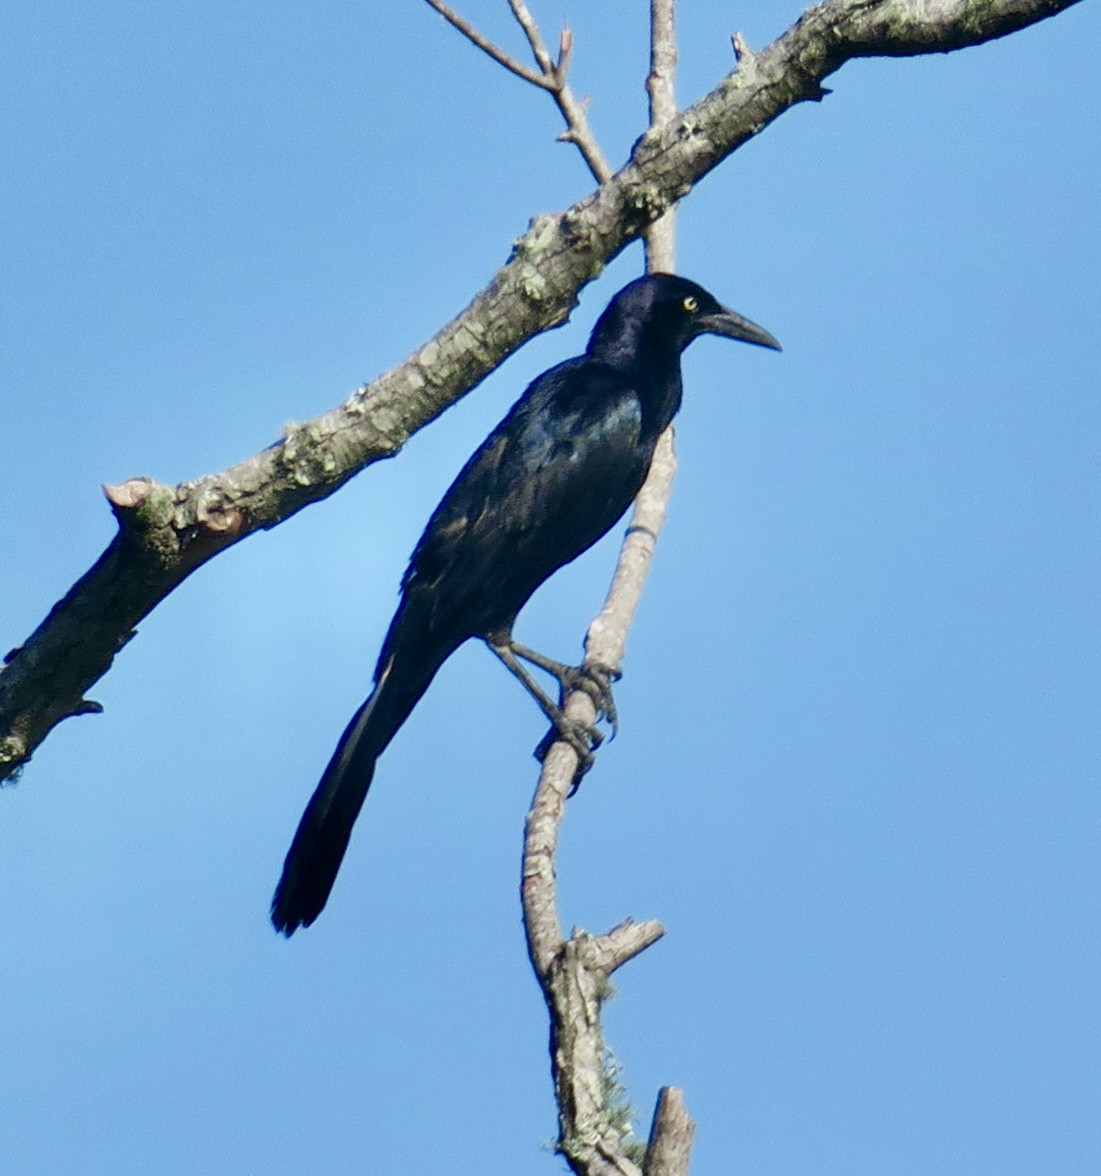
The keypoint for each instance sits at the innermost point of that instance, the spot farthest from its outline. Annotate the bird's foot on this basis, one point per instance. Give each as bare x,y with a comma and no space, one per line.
593,678
583,739
596,680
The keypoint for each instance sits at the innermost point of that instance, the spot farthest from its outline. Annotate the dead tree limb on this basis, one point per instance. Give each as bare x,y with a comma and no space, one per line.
552,76
166,532
594,1132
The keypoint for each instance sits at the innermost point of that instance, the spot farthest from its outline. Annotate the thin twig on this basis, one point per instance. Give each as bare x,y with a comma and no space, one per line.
565,49
487,46
166,532
531,30
550,76
580,133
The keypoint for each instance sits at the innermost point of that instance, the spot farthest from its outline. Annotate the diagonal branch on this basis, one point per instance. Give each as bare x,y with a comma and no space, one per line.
166,532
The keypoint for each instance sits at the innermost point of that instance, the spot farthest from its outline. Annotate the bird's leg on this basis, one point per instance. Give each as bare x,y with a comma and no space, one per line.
596,680
583,739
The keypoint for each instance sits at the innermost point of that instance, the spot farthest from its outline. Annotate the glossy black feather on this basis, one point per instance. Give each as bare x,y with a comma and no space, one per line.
513,517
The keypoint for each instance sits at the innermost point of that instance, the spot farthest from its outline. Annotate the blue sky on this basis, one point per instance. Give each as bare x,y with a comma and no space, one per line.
861,712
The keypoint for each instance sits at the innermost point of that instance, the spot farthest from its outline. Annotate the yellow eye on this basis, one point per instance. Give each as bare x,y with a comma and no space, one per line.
691,304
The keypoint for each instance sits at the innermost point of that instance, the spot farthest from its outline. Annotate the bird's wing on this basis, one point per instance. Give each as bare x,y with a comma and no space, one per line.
552,478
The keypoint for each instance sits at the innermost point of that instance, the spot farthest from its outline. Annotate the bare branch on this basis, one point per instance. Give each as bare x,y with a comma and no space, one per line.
487,46
565,49
573,974
178,528
550,76
626,941
535,38
579,132
661,245
670,1136
606,640
539,884
574,112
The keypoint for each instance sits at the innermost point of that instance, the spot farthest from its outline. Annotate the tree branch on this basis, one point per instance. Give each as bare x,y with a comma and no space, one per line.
661,243
670,1136
574,973
170,531
536,78
531,30
550,76
595,1133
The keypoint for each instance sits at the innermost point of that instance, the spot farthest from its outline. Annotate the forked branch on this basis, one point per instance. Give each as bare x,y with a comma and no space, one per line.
166,532
552,76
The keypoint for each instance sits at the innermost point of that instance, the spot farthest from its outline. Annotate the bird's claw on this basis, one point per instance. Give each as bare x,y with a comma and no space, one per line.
584,740
596,680
592,678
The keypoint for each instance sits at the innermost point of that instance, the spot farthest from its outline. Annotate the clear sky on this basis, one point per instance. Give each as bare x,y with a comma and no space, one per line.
857,776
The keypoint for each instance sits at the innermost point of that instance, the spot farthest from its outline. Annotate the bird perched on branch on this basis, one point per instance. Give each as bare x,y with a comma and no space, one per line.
552,478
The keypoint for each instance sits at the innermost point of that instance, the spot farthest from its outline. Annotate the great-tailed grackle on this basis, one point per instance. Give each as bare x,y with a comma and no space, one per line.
550,480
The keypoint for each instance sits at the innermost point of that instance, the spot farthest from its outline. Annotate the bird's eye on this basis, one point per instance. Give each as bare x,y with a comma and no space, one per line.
691,304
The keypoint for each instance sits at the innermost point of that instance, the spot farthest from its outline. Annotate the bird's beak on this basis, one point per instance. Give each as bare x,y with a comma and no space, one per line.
734,326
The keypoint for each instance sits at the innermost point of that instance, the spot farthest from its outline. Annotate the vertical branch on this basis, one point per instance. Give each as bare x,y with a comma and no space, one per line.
670,1136
594,1132
670,1145
606,640
661,247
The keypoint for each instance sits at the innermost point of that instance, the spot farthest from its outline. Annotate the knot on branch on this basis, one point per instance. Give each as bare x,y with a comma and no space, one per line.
648,146
145,511
542,232
595,1118
213,514
139,501
14,753
576,230
86,706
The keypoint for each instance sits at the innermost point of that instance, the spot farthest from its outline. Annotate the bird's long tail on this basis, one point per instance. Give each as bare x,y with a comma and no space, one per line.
317,850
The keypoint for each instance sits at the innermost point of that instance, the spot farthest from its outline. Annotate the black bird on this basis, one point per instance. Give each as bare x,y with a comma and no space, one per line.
550,480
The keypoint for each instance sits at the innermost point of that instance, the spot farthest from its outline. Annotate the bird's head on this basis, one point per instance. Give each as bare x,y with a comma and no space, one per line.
668,312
